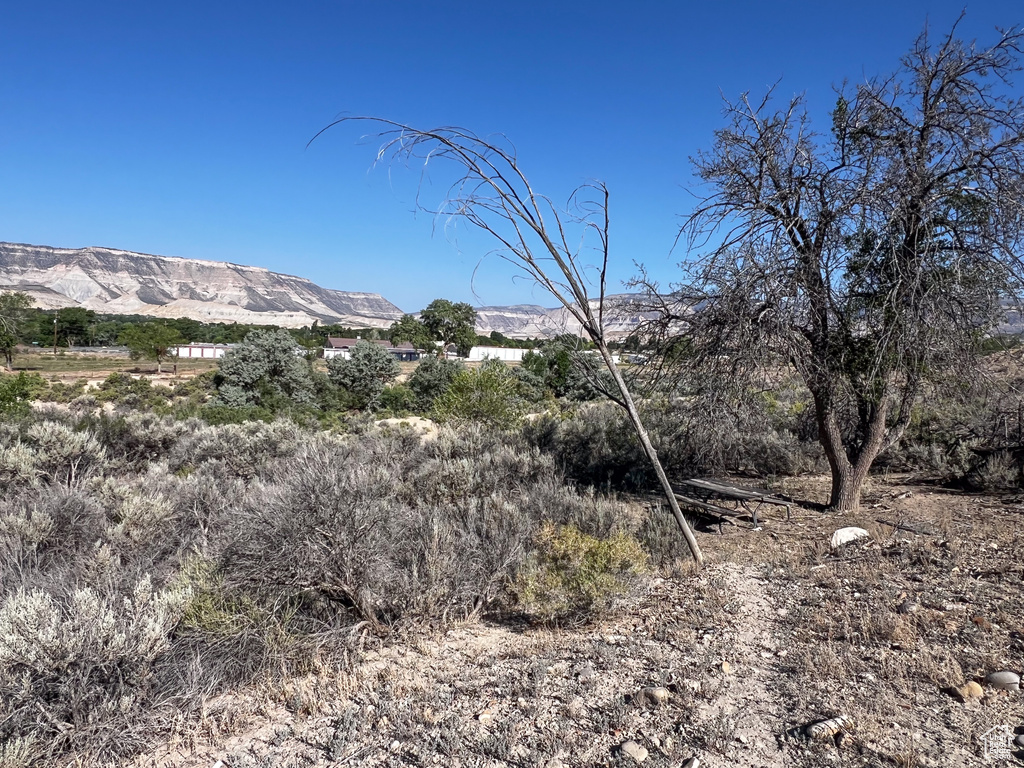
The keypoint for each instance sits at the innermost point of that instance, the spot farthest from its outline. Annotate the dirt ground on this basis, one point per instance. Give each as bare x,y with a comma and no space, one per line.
776,632
70,367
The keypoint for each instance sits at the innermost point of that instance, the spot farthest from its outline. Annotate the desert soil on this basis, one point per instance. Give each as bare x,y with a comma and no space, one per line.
777,631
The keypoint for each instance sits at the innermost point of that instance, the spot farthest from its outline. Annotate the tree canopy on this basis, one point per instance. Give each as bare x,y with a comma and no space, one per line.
151,341
451,323
408,328
871,255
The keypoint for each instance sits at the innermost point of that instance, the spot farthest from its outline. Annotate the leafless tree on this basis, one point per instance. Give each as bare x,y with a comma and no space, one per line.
869,258
541,239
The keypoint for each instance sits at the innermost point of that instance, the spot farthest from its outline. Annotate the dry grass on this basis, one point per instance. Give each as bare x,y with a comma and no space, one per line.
876,632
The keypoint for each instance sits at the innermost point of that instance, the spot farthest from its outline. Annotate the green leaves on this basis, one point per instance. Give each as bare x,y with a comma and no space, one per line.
264,368
151,341
488,394
451,323
365,374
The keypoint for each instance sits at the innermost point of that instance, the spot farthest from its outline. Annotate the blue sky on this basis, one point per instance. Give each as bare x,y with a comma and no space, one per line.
180,128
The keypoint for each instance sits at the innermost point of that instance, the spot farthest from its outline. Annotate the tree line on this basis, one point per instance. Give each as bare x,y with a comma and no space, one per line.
450,323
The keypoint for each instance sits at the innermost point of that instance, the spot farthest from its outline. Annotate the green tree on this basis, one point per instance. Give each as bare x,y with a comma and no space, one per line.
410,329
267,370
488,395
451,323
365,373
74,324
151,341
13,310
432,378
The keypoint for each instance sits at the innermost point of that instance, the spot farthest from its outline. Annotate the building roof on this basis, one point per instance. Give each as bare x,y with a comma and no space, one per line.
339,343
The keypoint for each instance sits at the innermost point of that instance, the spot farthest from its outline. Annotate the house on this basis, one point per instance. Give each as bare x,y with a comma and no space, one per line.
406,352
340,347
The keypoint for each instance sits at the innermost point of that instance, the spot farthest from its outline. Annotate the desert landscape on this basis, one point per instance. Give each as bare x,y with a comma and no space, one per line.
680,426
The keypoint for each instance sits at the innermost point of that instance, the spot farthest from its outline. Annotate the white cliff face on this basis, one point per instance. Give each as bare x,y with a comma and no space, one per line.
111,281
528,321
121,282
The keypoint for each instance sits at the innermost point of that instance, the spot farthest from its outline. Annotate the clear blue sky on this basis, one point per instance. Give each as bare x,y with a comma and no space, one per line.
180,128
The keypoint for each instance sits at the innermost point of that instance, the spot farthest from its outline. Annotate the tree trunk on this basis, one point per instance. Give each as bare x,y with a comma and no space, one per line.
652,455
846,486
848,471
9,359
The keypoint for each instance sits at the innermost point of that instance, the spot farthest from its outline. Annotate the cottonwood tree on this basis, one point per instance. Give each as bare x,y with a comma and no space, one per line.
408,328
451,323
151,341
870,256
540,238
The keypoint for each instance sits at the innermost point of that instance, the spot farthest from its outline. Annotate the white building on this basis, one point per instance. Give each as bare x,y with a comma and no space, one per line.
505,354
337,347
203,351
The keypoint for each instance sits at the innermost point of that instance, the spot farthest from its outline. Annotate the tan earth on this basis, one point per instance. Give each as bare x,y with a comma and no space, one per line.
775,633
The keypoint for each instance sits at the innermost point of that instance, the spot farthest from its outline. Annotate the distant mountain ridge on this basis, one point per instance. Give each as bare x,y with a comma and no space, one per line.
113,281
123,282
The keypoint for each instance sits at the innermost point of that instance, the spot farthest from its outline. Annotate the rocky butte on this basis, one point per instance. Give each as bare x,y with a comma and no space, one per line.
113,281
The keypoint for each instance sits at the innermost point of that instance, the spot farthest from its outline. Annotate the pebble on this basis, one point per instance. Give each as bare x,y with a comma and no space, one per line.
1004,680
632,749
908,606
586,673
693,762
969,690
726,667
1019,741
656,694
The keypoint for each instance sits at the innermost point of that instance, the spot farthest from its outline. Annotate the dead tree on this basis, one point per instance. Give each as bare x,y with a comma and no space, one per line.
540,239
870,257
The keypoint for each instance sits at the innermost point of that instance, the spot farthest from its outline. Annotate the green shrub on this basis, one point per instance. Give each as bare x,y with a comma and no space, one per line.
218,415
398,400
487,395
999,471
16,392
265,370
432,378
571,575
365,374
59,392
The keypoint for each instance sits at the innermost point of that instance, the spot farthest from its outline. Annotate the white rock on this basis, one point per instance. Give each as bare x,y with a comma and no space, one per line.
846,535
1004,680
656,695
1019,741
632,749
